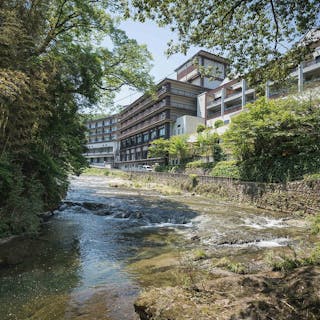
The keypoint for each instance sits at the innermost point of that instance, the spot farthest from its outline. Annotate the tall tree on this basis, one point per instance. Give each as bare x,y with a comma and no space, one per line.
251,32
52,65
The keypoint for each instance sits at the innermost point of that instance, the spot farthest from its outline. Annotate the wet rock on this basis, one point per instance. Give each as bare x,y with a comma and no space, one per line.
122,215
45,216
138,215
93,205
67,203
195,238
63,207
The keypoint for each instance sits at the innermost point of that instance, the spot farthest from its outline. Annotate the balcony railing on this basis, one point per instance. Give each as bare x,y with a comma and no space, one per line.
160,92
142,126
147,112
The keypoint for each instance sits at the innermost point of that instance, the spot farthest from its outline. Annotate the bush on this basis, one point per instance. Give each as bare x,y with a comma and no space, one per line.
201,128
311,177
218,124
199,164
276,140
227,169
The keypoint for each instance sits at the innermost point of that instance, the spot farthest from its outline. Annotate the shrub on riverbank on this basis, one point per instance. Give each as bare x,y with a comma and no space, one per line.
227,169
276,140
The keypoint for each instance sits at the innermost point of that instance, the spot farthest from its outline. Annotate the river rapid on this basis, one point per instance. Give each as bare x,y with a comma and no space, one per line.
85,264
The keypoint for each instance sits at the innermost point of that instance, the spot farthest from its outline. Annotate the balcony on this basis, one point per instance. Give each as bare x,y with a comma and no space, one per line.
183,93
143,104
229,98
155,108
214,103
143,126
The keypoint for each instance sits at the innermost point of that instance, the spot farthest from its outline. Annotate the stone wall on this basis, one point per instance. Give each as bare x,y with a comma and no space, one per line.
299,196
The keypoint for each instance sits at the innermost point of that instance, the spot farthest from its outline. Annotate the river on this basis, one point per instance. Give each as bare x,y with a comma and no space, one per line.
85,263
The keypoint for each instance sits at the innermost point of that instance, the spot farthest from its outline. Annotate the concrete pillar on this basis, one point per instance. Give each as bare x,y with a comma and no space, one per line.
300,77
223,95
244,88
267,89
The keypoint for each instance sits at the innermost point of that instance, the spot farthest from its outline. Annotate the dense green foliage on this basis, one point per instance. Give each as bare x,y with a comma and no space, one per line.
176,147
276,140
228,169
51,66
251,33
207,145
159,148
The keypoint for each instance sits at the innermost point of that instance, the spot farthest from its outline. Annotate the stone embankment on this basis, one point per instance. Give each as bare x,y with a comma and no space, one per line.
302,197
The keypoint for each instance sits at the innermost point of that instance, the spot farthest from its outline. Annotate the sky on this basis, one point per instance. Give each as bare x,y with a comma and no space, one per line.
156,39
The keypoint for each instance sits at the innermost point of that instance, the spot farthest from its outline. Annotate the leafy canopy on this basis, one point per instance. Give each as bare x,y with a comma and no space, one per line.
251,33
52,66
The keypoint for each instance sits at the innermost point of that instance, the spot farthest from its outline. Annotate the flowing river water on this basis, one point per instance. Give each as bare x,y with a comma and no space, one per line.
85,264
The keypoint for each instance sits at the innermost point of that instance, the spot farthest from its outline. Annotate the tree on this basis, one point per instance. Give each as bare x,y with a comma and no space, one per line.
251,33
208,146
179,148
51,67
159,148
276,140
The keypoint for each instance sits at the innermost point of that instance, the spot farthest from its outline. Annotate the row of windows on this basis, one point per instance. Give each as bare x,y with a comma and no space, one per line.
101,123
103,138
101,150
134,156
103,130
144,137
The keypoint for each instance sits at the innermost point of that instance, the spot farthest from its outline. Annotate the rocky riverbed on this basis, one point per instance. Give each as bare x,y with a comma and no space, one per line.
112,249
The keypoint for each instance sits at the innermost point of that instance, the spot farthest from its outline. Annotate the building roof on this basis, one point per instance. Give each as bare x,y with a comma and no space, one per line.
206,54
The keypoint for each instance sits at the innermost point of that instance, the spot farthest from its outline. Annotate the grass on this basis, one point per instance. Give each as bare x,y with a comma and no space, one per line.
105,172
199,255
286,263
235,267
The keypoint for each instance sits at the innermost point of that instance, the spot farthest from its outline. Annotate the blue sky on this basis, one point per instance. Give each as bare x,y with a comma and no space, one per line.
156,40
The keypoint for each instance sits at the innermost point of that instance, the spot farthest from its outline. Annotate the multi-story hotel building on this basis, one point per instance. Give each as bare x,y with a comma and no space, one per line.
179,106
102,137
149,118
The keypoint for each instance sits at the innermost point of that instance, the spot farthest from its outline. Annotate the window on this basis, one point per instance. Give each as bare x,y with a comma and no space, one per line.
162,131
146,137
139,138
153,134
